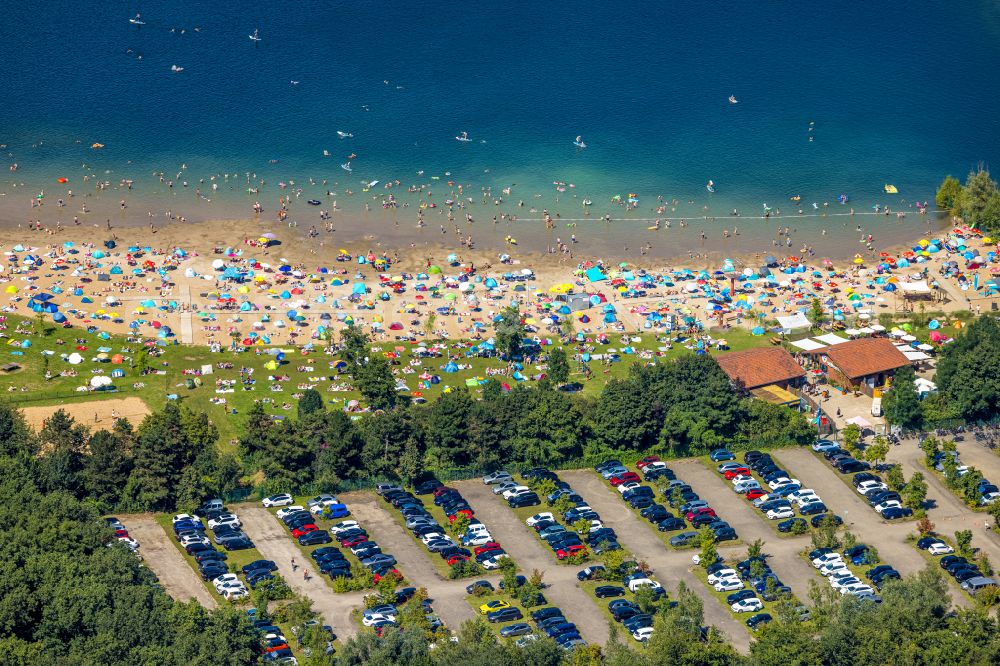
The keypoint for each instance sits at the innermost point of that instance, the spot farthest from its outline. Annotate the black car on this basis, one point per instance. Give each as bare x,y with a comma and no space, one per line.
670,524
527,499
861,477
543,614
702,519
758,620
948,560
655,513
405,594
239,543
519,581
260,564
315,538
516,629
426,486
725,534
213,572
850,466
605,591
740,596
818,519
601,534
479,584
504,615
789,525
813,508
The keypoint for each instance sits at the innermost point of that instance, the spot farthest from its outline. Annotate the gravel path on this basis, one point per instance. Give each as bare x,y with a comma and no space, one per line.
175,574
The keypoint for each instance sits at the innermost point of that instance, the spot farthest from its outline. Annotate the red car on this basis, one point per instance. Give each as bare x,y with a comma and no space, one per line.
461,512
578,549
455,559
275,648
393,572
707,511
353,541
754,494
626,477
121,534
645,461
486,547
305,529
732,473
440,490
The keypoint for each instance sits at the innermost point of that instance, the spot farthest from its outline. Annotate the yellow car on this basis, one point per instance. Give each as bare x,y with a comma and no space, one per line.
491,606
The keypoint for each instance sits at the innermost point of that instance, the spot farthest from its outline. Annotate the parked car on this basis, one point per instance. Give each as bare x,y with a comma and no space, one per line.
282,499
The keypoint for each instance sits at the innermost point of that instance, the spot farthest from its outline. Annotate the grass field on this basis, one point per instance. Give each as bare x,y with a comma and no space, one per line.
175,371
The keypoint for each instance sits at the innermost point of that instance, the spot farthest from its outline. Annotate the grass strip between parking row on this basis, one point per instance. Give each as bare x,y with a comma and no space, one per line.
476,601
235,558
439,564
769,606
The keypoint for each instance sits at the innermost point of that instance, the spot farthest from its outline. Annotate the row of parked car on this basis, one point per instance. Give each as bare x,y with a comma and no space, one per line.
887,503
966,574
277,648
679,495
330,560
750,583
625,611
841,460
568,541
548,620
121,534
782,496
834,567
988,491
486,551
189,530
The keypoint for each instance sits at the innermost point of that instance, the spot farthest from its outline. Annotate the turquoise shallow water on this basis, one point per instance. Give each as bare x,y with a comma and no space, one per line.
898,94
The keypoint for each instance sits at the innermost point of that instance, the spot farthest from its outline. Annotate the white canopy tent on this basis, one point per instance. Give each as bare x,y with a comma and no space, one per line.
831,339
808,344
793,322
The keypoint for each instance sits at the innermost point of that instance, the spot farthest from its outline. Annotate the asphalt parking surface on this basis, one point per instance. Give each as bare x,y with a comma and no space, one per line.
175,574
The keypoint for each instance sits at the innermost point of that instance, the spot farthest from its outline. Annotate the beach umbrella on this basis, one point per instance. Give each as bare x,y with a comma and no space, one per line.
434,270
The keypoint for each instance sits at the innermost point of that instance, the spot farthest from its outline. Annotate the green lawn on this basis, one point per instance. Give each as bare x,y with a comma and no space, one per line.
235,562
49,343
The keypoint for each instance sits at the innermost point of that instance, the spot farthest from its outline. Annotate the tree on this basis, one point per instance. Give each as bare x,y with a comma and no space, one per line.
709,555
915,491
925,526
755,549
877,450
929,446
901,402
852,436
105,467
949,195
894,478
980,190
965,370
509,332
373,379
963,544
558,366
816,312
311,401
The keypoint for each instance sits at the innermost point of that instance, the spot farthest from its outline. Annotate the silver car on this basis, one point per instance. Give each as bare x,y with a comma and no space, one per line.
497,477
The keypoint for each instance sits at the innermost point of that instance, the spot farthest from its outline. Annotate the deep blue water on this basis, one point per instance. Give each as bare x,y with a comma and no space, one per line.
899,93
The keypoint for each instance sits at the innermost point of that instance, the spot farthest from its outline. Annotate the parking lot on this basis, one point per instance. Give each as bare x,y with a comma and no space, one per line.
671,567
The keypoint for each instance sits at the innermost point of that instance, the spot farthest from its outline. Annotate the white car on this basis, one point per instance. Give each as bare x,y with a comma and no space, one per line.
317,509
940,548
224,519
540,518
826,559
824,445
625,487
186,516
595,524
325,498
807,499
634,585
728,585
493,563
989,498
780,513
284,499
219,581
751,605
835,570
865,486
781,481
654,466
843,581
434,536
741,478
288,510
478,539
801,492
233,593
188,540
130,543
857,589
507,485
721,574
642,635
516,490
343,526
888,504
375,618
497,477
746,486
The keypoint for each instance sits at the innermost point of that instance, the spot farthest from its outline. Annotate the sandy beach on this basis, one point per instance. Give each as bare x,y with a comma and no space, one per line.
217,282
